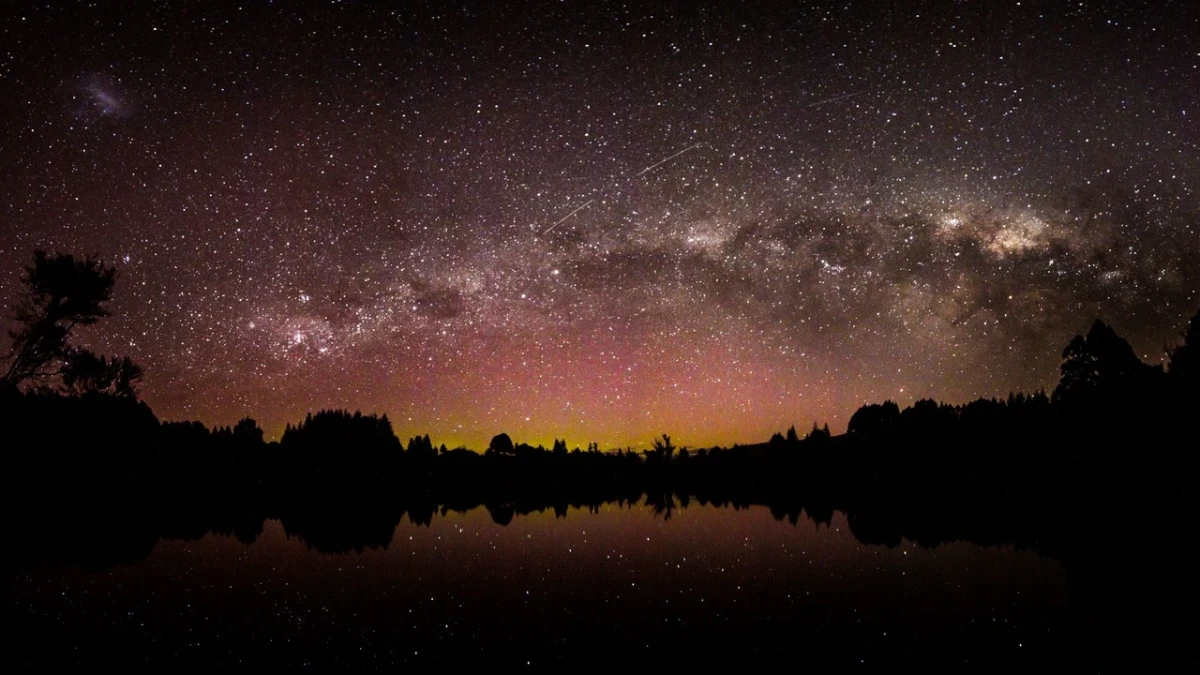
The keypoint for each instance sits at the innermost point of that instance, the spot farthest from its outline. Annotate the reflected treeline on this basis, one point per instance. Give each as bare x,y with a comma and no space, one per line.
1030,469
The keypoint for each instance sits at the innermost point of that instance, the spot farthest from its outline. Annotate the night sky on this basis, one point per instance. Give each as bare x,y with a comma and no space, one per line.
604,221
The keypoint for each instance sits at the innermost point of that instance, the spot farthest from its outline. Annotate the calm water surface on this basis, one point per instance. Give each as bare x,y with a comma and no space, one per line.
706,587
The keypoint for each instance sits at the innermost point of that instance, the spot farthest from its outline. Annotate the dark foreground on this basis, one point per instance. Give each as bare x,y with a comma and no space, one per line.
620,586
650,581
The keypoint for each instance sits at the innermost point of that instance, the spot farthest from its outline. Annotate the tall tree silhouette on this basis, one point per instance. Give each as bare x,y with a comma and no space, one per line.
873,420
792,437
1099,368
59,293
1185,359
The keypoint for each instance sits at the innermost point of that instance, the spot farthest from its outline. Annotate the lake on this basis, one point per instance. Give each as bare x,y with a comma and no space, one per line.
617,585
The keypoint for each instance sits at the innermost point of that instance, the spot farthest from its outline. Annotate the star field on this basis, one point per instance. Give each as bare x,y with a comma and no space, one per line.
603,221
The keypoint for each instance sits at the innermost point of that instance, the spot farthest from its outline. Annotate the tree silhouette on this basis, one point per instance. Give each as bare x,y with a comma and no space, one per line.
663,448
501,444
354,445
1185,359
819,434
84,372
421,447
248,430
1098,368
59,293
874,419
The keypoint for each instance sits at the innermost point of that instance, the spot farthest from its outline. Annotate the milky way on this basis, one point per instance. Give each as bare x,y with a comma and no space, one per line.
605,221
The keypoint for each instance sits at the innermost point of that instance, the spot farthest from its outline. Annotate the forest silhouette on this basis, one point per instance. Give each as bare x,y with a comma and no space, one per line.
1111,450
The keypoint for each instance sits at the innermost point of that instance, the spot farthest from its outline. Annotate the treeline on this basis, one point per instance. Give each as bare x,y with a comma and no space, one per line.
1110,414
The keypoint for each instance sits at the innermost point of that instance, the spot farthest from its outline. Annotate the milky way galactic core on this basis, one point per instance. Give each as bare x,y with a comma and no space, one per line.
605,221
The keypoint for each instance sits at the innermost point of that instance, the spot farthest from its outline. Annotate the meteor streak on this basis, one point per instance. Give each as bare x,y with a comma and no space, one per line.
577,210
660,163
831,100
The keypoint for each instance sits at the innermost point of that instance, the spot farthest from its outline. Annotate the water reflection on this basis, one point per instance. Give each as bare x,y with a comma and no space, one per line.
631,583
